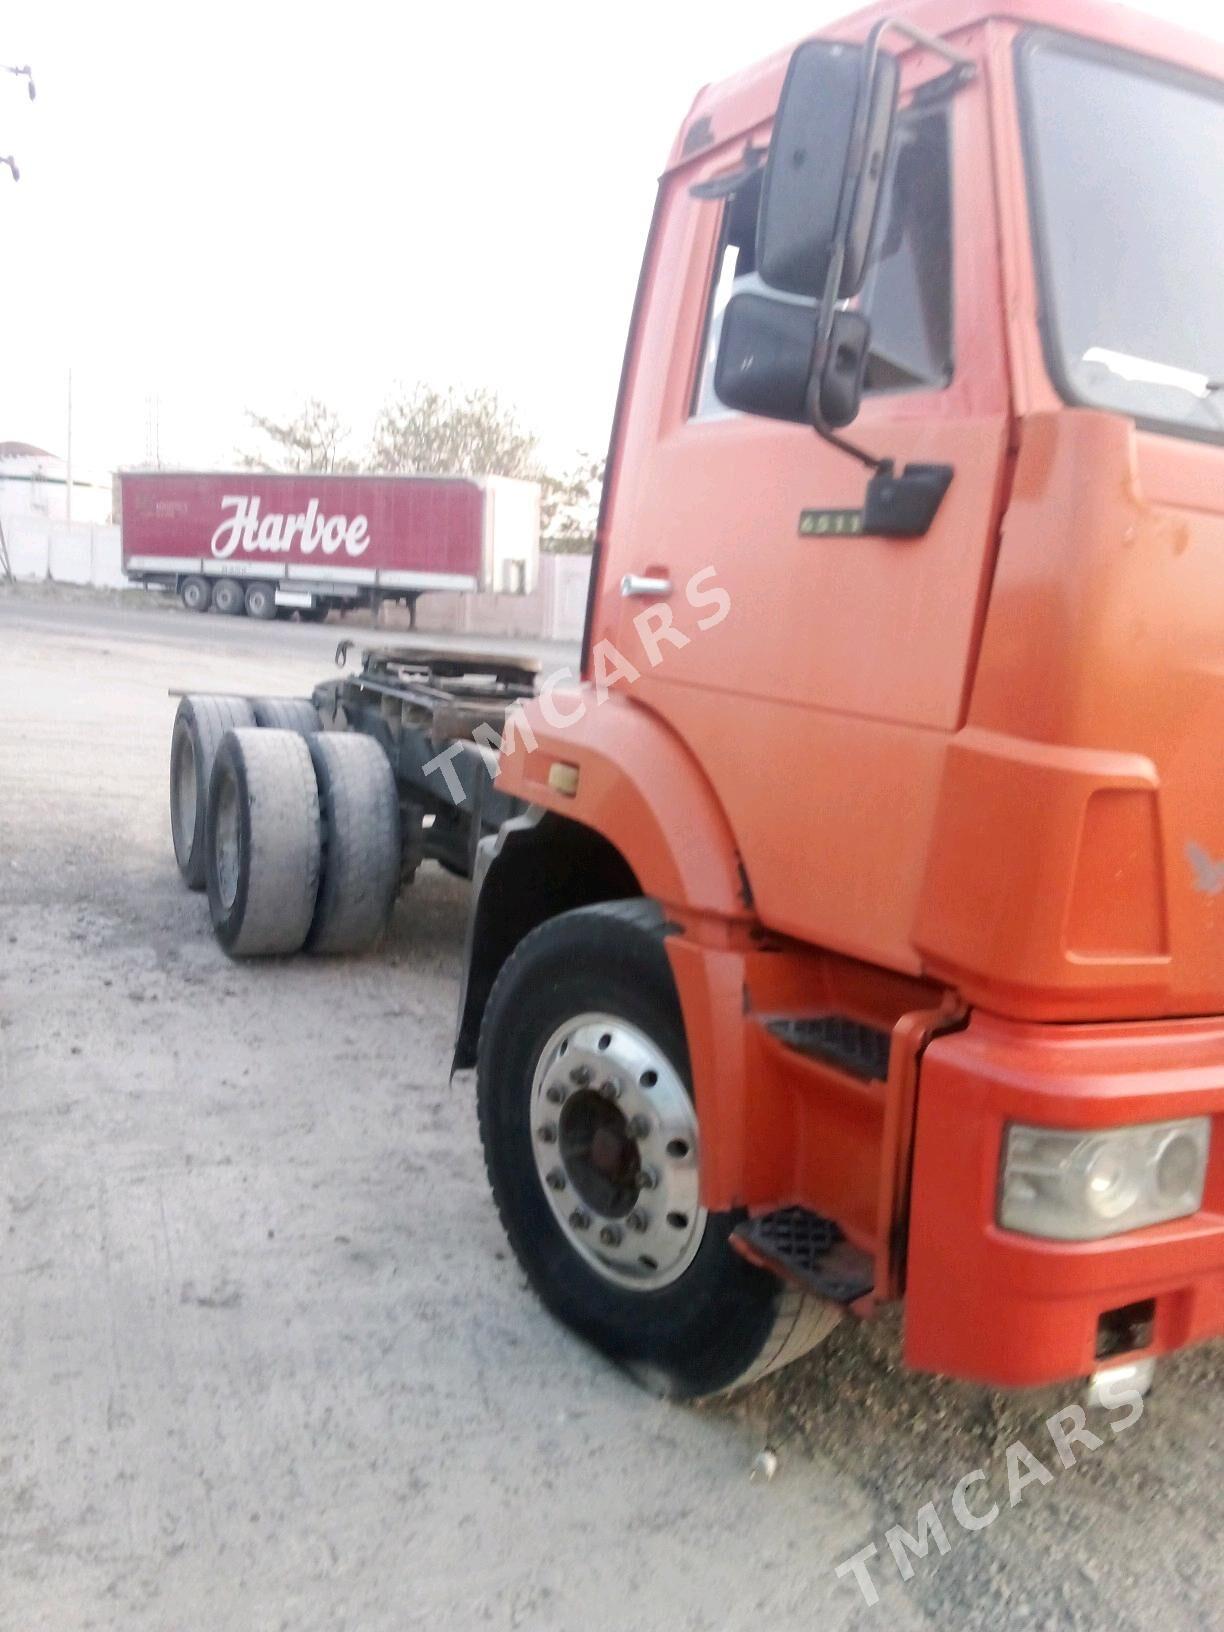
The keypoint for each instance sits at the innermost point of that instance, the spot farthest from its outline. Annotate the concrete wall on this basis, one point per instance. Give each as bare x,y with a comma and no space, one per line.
77,552
39,487
554,611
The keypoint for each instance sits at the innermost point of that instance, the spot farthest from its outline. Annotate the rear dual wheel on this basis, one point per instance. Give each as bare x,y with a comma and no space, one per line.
302,844
199,726
263,842
286,714
593,1153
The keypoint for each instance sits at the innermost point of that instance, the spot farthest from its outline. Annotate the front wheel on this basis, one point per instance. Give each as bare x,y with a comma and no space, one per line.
593,1152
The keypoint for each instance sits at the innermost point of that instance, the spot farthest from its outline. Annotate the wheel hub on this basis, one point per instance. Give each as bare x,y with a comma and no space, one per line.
614,1136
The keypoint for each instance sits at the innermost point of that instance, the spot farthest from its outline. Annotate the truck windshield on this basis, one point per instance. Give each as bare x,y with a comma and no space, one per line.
1125,158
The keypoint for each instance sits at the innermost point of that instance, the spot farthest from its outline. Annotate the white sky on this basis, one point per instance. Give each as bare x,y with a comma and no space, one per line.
229,206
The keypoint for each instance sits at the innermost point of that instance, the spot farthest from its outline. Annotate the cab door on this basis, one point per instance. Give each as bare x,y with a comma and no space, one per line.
820,701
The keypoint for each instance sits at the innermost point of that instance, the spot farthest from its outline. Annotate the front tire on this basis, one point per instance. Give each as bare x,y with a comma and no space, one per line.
592,1149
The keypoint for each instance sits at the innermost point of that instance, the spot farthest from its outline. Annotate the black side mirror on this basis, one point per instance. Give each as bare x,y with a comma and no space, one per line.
765,360
827,160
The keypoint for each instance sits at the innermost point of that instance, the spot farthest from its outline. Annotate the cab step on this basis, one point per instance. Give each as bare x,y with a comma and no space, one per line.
809,1251
851,1046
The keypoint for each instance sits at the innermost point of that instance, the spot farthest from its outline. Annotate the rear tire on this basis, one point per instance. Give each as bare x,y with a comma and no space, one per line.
689,1318
361,825
261,602
196,594
199,726
286,714
228,597
262,843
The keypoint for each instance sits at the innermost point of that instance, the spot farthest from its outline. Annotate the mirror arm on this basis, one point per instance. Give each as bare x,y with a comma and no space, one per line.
962,69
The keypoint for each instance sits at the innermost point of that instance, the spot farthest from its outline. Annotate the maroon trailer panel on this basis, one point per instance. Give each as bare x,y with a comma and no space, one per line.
355,528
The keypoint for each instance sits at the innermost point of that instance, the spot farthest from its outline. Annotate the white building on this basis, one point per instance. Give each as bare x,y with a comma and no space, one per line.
34,482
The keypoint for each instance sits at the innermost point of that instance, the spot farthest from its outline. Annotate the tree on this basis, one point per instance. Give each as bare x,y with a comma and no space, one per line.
451,433
312,441
427,431
569,507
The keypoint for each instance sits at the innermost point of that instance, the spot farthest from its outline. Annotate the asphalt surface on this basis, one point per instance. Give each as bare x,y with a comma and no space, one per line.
265,1359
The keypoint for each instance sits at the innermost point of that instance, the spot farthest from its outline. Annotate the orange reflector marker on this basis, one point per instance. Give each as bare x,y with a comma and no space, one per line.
563,778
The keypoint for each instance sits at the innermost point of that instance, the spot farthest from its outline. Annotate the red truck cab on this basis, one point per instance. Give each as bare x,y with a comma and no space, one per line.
906,732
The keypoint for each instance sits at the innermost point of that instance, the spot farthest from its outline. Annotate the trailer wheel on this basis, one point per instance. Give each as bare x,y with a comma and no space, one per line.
286,714
592,1148
361,826
262,843
196,594
228,597
261,602
199,726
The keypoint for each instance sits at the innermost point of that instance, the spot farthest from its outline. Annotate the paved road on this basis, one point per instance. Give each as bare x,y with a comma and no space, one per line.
150,619
265,1361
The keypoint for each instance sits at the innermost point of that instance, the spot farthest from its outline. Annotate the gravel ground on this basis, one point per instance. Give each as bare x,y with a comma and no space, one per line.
265,1361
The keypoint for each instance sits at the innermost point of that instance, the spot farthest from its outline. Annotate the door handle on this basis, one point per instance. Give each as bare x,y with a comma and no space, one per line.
631,584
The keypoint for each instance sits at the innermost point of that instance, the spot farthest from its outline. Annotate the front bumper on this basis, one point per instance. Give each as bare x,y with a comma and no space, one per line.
995,1307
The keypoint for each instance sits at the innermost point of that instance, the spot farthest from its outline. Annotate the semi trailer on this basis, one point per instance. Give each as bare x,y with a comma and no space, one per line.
265,544
849,930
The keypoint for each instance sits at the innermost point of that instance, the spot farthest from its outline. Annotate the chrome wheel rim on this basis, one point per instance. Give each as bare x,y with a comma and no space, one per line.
614,1136
228,844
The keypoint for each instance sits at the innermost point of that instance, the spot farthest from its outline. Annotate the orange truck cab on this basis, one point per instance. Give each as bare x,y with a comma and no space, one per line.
864,937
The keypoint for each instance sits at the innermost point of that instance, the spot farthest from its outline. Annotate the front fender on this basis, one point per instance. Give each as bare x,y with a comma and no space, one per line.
638,786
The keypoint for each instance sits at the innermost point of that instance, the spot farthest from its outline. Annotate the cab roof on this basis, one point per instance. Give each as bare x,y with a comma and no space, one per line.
733,107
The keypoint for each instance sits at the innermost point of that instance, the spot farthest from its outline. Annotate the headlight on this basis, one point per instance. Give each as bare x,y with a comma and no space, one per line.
1082,1186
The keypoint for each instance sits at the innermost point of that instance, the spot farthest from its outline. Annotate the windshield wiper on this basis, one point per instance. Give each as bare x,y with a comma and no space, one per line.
1143,371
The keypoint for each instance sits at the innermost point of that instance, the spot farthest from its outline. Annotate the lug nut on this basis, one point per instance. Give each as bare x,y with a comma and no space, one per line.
554,1093
639,1127
548,1133
637,1221
611,1090
647,1178
610,1235
556,1179
580,1076
580,1220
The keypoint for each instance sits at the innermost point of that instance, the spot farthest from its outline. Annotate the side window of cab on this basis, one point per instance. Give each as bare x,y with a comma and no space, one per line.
908,290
